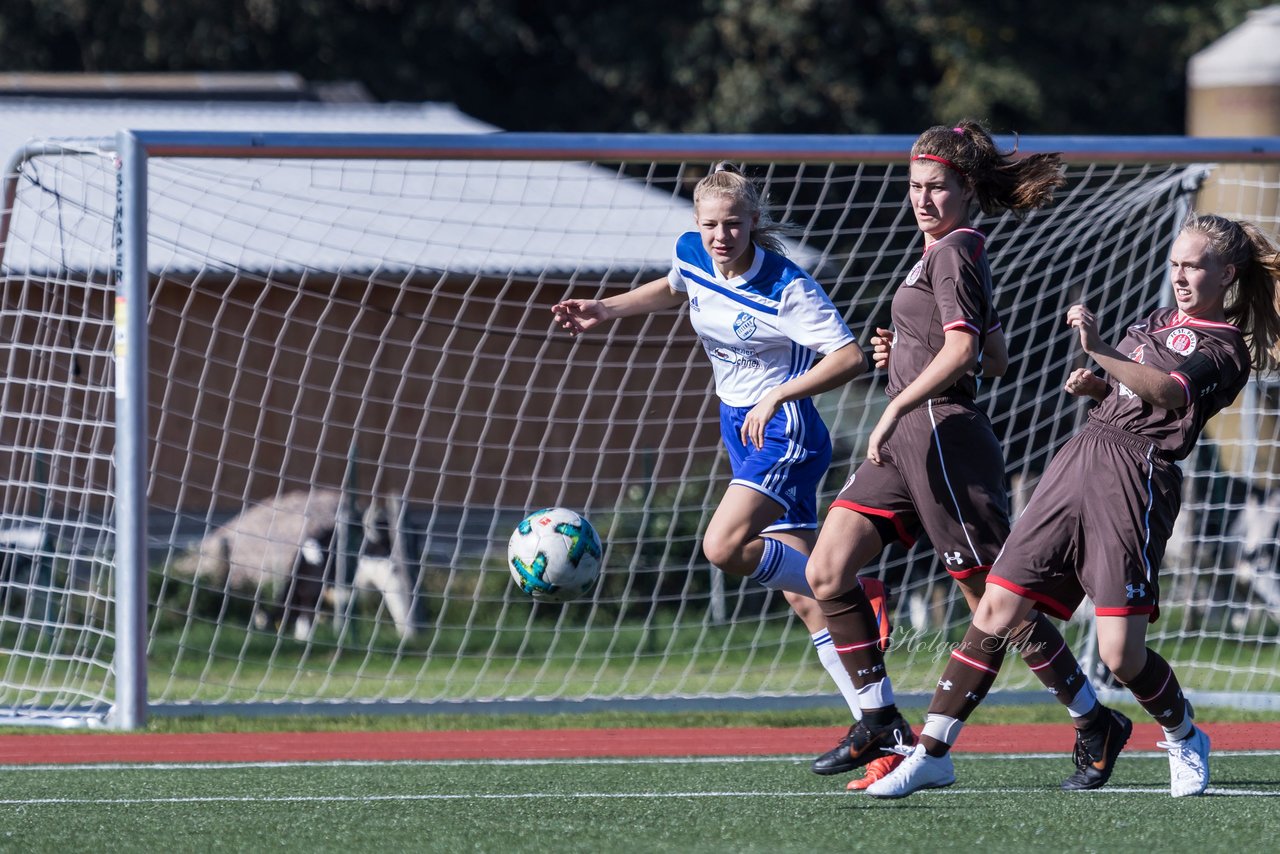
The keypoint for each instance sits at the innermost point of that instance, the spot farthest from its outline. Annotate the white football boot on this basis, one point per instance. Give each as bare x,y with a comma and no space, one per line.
918,771
1188,764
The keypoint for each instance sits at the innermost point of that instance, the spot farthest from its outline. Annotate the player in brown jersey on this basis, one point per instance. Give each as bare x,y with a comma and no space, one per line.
933,462
1100,516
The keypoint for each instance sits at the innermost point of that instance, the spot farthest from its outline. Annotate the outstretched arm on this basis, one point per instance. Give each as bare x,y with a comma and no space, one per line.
1153,385
579,315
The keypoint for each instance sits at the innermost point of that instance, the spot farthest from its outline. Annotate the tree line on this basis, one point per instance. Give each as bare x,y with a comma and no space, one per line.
713,66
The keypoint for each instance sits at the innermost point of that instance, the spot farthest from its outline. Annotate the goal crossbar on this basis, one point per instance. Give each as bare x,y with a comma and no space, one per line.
672,148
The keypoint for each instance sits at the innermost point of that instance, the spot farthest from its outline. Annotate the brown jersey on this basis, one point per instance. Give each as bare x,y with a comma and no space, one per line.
1209,359
1101,515
948,288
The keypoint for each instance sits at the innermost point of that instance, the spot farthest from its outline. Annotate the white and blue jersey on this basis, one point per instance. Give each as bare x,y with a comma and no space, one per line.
760,330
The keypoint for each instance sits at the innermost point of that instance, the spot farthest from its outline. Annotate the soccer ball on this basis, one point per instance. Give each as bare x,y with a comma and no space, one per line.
554,555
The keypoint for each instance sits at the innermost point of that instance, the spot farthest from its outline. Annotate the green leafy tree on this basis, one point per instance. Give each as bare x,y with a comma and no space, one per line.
724,66
1039,66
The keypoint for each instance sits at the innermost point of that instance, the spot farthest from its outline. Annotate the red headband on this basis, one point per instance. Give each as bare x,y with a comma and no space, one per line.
936,159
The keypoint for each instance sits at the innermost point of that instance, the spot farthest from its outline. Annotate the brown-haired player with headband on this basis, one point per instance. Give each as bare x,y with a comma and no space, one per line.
1100,516
774,339
933,463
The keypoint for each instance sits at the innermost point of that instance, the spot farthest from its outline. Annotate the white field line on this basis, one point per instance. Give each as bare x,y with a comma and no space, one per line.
475,796
515,763
517,796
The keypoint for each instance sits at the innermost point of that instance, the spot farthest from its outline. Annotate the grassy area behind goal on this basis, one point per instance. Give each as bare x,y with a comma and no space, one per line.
766,658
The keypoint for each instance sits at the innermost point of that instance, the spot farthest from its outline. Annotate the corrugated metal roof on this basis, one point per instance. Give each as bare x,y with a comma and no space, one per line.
491,218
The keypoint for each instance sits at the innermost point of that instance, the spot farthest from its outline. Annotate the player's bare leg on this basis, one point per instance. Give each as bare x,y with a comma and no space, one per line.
733,542
1122,646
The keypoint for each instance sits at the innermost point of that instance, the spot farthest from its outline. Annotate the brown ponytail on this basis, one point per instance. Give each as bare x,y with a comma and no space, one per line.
1000,181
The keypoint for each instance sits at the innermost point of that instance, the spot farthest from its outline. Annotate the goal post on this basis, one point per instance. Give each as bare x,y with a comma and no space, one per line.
130,345
322,370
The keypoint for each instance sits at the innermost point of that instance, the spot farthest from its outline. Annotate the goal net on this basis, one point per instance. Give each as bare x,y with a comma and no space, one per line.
350,392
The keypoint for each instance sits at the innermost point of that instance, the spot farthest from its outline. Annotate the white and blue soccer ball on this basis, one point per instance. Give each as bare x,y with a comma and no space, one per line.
554,555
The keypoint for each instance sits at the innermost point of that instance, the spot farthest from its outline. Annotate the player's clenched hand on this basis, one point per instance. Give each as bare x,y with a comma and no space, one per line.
579,315
881,346
1081,318
1085,383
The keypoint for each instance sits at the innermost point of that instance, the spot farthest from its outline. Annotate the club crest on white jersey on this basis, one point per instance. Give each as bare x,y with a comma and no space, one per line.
744,326
761,328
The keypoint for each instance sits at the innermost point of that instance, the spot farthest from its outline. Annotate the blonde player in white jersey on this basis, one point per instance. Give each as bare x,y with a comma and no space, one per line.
764,322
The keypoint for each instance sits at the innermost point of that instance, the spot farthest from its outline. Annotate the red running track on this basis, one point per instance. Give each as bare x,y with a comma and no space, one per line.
59,748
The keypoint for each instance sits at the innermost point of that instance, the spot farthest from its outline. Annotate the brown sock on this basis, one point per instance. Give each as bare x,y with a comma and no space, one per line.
1045,651
852,625
1157,690
966,679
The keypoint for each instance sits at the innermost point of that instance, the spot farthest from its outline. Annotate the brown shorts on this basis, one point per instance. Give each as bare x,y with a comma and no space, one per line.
943,474
1096,525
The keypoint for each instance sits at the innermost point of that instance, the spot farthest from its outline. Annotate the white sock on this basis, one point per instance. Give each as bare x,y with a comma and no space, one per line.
1084,701
877,695
831,663
942,728
782,568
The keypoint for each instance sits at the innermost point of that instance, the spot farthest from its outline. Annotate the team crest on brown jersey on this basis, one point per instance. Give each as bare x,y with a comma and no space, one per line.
1182,341
914,275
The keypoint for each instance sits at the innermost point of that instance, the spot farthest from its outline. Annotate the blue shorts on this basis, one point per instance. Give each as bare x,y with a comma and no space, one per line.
793,461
